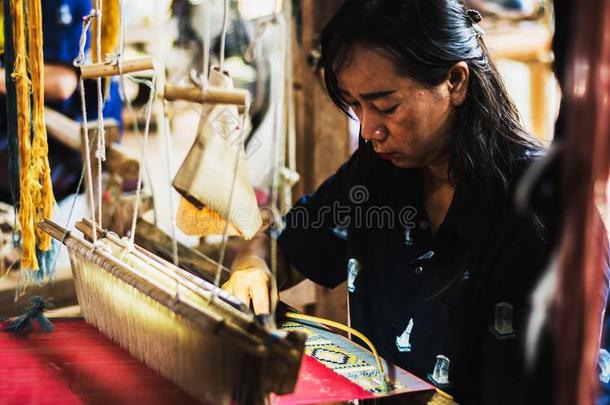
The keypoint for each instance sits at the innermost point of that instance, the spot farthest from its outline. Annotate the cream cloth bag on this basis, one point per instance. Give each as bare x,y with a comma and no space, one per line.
205,177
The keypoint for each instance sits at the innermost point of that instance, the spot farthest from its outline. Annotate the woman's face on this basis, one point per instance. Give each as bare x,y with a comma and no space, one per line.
408,123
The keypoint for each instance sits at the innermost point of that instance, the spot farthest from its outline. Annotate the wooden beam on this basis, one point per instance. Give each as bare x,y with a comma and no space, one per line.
62,128
157,242
322,139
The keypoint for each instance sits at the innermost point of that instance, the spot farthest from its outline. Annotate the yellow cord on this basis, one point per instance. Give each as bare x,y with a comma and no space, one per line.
359,335
444,394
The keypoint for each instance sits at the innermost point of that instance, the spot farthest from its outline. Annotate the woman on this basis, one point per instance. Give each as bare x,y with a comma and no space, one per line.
437,260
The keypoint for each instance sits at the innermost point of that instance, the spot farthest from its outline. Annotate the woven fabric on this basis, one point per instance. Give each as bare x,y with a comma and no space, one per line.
354,363
76,364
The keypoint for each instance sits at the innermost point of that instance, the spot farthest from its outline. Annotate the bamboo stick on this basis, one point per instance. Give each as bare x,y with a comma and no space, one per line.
96,70
211,95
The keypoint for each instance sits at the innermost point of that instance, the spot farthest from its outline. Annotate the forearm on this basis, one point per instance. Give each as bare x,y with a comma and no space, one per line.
257,249
59,82
2,81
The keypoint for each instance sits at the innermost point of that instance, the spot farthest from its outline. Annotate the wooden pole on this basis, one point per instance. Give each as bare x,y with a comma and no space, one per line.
96,70
322,139
211,95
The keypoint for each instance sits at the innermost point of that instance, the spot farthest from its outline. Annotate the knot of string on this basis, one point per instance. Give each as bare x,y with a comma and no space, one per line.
199,81
82,42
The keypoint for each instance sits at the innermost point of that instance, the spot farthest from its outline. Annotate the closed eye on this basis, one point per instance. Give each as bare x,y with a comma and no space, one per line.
389,110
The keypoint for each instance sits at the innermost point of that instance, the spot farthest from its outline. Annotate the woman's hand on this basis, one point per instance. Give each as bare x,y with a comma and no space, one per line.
251,281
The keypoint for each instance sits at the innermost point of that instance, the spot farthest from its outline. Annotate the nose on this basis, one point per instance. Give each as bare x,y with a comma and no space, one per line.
372,128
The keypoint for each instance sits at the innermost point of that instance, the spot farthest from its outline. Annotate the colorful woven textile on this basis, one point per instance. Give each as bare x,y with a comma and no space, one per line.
76,364
355,364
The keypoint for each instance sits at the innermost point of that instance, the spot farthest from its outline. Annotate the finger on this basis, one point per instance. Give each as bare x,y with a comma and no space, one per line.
260,298
273,296
242,294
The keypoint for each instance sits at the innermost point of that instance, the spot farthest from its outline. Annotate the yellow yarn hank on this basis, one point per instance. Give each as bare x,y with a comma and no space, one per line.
110,29
27,208
1,30
43,197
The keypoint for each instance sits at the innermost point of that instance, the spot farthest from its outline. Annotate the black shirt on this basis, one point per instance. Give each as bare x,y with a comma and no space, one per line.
418,295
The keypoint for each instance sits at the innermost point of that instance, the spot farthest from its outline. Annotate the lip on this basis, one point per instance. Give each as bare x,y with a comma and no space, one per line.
385,156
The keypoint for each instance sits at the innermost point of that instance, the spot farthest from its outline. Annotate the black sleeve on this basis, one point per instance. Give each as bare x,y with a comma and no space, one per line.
313,239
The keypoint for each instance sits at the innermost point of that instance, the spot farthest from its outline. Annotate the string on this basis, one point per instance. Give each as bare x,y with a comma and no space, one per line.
278,127
279,172
206,41
168,161
279,86
100,153
129,106
78,62
239,145
223,35
72,207
291,118
149,104
121,30
152,87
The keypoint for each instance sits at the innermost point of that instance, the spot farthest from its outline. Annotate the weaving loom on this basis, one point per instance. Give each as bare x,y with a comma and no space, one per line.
186,328
205,341
179,325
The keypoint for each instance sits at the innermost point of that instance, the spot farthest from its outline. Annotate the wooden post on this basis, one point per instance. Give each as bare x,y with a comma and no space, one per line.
540,73
322,138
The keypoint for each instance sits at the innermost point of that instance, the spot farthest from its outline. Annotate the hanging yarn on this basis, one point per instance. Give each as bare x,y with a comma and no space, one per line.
40,163
20,76
1,29
11,111
23,324
109,35
36,198
110,30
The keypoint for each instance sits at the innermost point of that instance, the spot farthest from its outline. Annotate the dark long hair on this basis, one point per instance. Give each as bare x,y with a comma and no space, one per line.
426,38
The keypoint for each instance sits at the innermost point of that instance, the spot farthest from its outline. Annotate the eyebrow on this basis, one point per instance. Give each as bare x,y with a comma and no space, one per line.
372,95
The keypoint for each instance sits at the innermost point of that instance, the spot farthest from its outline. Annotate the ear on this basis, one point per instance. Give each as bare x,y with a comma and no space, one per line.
457,82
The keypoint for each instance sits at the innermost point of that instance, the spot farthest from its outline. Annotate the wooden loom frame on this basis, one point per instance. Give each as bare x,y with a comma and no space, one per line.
272,360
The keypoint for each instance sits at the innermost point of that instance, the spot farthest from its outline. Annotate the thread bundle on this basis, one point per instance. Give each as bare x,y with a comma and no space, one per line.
34,199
